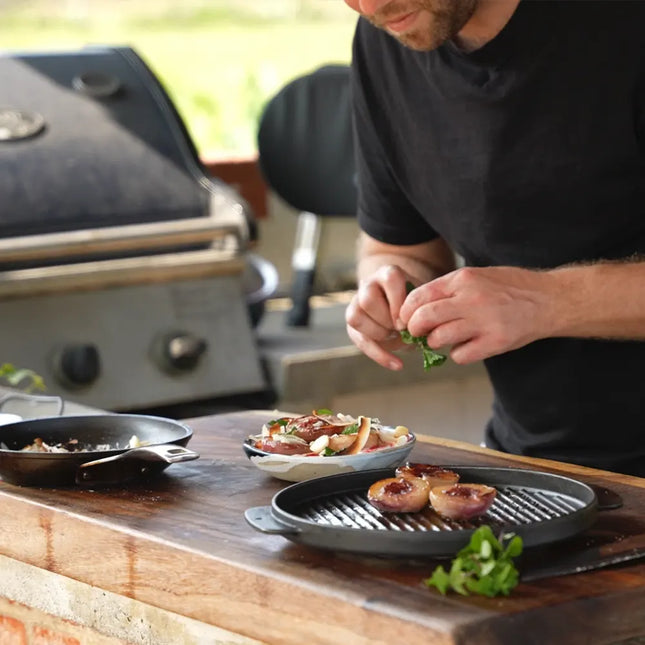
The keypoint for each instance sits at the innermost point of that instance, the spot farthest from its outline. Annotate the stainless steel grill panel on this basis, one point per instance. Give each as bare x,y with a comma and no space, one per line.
140,244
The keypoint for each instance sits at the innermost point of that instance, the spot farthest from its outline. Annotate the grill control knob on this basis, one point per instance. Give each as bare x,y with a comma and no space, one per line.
78,365
181,351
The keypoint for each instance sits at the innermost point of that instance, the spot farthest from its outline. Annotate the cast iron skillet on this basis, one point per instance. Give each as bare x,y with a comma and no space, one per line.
163,439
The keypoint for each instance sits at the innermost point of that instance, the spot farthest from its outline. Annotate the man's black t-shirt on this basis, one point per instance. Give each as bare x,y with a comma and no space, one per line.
527,152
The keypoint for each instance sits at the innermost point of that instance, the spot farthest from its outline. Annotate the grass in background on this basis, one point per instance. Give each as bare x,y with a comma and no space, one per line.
219,60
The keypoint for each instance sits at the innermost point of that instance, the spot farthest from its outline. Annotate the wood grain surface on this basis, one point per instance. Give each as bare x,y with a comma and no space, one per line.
180,542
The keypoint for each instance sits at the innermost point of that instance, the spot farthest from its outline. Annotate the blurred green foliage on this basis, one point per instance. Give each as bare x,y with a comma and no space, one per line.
220,60
21,378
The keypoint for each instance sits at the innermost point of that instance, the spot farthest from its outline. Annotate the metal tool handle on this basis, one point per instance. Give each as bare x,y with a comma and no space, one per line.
303,264
261,519
587,560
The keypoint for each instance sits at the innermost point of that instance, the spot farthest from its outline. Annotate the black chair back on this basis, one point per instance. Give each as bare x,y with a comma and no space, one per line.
306,155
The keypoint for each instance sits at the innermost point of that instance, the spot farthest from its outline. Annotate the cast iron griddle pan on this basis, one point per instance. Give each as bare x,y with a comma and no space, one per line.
333,513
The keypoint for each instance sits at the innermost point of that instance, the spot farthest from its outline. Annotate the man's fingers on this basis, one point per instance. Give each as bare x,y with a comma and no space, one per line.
371,313
470,351
392,280
436,289
374,350
433,314
369,301
356,318
367,327
382,297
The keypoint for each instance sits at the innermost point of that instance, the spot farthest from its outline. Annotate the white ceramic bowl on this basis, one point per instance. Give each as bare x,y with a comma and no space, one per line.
298,468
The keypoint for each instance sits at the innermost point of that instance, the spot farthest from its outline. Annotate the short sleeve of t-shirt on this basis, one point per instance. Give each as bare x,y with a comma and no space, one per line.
384,212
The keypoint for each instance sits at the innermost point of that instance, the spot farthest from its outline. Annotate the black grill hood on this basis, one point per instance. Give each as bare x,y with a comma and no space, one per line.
90,139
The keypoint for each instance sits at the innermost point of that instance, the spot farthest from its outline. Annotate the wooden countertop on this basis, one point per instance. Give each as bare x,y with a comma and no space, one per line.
181,543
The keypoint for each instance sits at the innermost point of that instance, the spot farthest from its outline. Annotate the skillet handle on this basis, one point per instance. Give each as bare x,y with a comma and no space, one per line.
130,464
261,519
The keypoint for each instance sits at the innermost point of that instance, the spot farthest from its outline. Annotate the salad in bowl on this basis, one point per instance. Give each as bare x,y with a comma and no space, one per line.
300,447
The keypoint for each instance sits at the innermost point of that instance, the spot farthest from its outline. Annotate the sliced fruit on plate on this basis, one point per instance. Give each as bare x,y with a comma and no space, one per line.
399,495
462,501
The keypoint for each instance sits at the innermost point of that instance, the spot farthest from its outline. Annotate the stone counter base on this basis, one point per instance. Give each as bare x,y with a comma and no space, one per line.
38,607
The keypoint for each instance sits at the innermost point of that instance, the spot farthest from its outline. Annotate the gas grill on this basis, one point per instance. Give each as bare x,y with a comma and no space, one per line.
124,266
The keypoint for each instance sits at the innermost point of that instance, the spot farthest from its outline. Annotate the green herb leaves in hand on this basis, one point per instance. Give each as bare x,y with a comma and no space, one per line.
484,566
430,357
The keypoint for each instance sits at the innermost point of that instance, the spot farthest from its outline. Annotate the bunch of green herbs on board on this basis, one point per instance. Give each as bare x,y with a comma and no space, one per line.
484,566
430,357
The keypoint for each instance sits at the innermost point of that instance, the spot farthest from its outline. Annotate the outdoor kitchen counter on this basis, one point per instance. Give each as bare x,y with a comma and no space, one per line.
181,543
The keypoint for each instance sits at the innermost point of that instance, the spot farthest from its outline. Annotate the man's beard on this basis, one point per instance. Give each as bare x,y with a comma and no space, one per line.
440,21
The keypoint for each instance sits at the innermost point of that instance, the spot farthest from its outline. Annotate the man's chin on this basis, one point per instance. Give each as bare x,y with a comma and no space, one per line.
418,42
420,36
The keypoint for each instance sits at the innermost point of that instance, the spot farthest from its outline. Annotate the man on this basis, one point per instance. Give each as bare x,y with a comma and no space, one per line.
512,133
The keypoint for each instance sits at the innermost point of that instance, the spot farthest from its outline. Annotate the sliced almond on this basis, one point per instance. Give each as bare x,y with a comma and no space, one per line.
364,424
319,444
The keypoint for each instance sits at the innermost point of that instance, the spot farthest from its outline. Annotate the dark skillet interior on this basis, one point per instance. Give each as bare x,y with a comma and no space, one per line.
59,469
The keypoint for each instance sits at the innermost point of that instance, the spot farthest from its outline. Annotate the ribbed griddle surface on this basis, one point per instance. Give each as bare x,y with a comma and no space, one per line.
513,505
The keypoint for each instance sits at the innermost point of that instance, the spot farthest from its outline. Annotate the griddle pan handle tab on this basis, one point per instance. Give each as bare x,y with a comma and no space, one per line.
261,519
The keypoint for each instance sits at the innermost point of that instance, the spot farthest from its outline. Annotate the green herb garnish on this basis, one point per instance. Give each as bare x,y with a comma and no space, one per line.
485,566
278,422
353,429
430,357
328,452
323,411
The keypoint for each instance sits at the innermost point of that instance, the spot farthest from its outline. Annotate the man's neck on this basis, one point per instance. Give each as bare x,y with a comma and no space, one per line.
489,18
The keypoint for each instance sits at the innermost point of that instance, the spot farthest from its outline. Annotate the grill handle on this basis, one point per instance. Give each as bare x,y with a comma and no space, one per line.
127,238
261,519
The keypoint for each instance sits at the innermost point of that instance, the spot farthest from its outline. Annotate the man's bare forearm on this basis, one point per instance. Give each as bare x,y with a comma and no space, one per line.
423,262
604,300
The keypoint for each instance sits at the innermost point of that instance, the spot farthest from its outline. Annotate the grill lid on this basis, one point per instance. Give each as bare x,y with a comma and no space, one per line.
90,138
333,513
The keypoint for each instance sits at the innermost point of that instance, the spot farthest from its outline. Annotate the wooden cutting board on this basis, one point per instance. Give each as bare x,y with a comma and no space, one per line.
180,542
